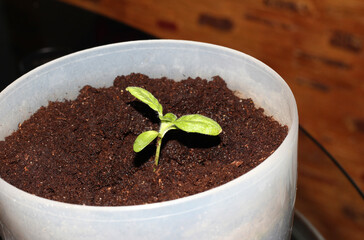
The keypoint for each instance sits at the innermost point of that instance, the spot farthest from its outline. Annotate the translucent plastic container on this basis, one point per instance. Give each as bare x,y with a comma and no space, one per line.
257,205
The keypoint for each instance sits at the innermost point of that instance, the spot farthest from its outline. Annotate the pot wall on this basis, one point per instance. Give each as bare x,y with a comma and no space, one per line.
257,205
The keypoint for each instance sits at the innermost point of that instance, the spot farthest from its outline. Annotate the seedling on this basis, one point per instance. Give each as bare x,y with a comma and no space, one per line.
193,123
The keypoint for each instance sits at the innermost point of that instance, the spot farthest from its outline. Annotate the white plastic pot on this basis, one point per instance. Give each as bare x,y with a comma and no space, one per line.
257,205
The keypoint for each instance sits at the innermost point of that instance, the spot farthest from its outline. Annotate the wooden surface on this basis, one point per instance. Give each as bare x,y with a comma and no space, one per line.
325,196
317,47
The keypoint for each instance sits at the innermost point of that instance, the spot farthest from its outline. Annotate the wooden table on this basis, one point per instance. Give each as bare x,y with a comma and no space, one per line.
325,196
318,48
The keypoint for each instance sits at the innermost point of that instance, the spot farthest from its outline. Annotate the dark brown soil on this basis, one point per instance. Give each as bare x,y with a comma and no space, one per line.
81,151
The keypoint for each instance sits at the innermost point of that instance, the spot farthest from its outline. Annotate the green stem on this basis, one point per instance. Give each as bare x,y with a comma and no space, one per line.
159,144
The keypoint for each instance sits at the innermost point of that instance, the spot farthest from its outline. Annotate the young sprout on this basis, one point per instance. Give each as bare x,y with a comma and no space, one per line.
193,123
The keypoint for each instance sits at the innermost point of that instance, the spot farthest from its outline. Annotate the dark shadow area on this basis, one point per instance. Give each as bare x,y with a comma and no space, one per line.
192,140
145,111
143,156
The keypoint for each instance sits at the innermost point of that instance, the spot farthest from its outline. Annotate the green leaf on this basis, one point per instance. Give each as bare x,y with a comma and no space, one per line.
165,127
169,117
144,139
197,123
147,98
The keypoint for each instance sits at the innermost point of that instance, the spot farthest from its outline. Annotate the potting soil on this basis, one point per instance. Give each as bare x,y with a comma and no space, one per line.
81,151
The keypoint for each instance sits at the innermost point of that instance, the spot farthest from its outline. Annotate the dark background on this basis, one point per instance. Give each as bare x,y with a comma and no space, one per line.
33,32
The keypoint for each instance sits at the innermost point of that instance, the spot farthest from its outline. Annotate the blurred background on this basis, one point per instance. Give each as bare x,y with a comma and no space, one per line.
316,46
